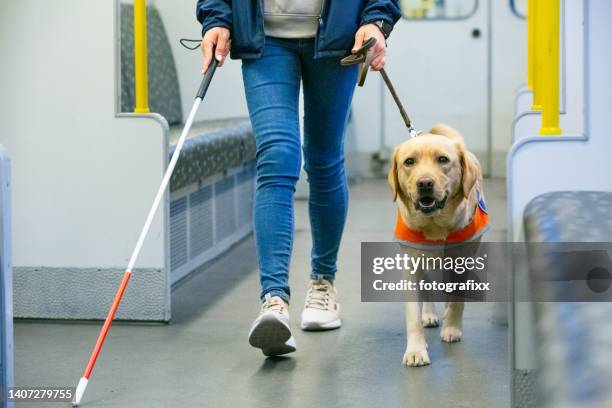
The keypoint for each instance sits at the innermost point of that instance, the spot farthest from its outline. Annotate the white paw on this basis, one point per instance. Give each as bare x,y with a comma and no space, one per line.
451,334
429,319
416,357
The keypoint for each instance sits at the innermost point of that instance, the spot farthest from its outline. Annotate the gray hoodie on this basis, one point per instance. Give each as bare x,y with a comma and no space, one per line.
292,18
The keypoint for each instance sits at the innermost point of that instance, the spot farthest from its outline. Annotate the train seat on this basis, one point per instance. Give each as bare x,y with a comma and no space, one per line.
569,216
213,146
573,358
211,189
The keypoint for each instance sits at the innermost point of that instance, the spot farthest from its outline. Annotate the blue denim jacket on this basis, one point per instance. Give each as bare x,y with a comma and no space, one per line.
339,21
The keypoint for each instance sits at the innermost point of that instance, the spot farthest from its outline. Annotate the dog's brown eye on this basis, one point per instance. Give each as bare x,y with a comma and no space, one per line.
409,161
443,160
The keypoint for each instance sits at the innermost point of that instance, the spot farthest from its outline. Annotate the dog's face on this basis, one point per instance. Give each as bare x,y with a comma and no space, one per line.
430,170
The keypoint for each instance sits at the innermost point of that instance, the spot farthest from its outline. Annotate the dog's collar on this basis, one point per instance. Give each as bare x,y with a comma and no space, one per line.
478,226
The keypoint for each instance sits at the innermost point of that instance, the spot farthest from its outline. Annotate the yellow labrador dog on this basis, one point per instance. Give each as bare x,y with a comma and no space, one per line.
437,184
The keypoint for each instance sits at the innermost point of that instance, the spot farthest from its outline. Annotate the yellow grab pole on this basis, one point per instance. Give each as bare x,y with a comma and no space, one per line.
530,43
539,30
550,78
141,80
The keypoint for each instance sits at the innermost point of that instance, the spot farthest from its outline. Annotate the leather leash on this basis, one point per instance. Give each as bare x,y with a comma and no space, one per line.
364,56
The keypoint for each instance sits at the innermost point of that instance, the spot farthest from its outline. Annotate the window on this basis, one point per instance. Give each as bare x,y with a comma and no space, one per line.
438,9
519,7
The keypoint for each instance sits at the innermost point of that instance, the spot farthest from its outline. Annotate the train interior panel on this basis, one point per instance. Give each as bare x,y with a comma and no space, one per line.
207,203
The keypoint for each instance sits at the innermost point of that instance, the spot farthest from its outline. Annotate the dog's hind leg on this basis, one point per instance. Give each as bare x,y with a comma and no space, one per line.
453,322
416,349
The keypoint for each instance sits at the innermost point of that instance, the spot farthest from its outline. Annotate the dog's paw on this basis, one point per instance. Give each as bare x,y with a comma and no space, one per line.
430,319
416,357
451,334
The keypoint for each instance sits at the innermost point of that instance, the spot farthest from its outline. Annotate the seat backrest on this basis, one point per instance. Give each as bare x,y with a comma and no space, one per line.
164,93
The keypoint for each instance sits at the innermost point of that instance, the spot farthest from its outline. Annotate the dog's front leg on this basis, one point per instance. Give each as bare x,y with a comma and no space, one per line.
453,322
416,349
429,316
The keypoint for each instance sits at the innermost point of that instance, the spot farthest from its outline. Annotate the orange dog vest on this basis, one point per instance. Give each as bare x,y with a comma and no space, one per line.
479,225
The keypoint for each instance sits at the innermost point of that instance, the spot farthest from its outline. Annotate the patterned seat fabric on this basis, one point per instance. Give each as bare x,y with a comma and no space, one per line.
164,94
569,216
212,146
572,339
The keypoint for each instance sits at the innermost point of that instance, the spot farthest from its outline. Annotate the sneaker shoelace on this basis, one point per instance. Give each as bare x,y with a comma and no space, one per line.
272,304
317,296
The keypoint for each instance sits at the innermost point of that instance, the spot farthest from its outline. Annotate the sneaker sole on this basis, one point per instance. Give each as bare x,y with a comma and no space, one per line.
271,335
314,326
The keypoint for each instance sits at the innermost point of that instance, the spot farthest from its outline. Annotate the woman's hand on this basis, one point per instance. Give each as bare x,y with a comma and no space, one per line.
379,49
219,37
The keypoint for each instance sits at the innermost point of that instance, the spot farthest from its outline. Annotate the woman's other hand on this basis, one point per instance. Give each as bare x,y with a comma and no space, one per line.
366,32
219,37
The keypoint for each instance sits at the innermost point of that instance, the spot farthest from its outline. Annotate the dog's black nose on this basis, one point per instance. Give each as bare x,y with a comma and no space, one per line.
425,184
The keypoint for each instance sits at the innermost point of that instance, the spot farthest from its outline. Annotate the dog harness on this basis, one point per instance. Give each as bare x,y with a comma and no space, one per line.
474,230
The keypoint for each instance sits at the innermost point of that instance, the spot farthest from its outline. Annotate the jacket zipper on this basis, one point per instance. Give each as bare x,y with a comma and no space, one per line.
323,3
263,29
316,44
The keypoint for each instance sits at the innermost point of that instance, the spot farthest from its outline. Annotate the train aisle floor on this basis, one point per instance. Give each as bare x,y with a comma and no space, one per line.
203,359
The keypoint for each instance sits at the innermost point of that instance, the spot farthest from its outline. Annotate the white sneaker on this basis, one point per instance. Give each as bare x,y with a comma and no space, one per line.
321,310
271,331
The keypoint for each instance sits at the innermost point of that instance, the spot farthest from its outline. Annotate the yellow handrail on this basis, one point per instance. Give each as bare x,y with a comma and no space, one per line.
531,19
549,75
419,12
141,81
539,32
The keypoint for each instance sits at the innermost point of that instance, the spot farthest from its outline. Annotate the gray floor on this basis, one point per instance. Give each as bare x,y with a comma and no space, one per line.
203,358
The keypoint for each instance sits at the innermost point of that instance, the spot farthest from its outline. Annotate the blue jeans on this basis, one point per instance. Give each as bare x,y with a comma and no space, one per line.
272,87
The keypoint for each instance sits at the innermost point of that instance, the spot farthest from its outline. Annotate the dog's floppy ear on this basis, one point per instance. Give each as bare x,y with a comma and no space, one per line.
445,130
392,176
470,170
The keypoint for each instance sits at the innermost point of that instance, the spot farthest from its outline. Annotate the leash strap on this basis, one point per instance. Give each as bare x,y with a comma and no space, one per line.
364,57
361,56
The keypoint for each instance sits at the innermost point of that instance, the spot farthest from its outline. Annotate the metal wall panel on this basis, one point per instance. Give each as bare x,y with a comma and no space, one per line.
178,233
207,218
201,235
